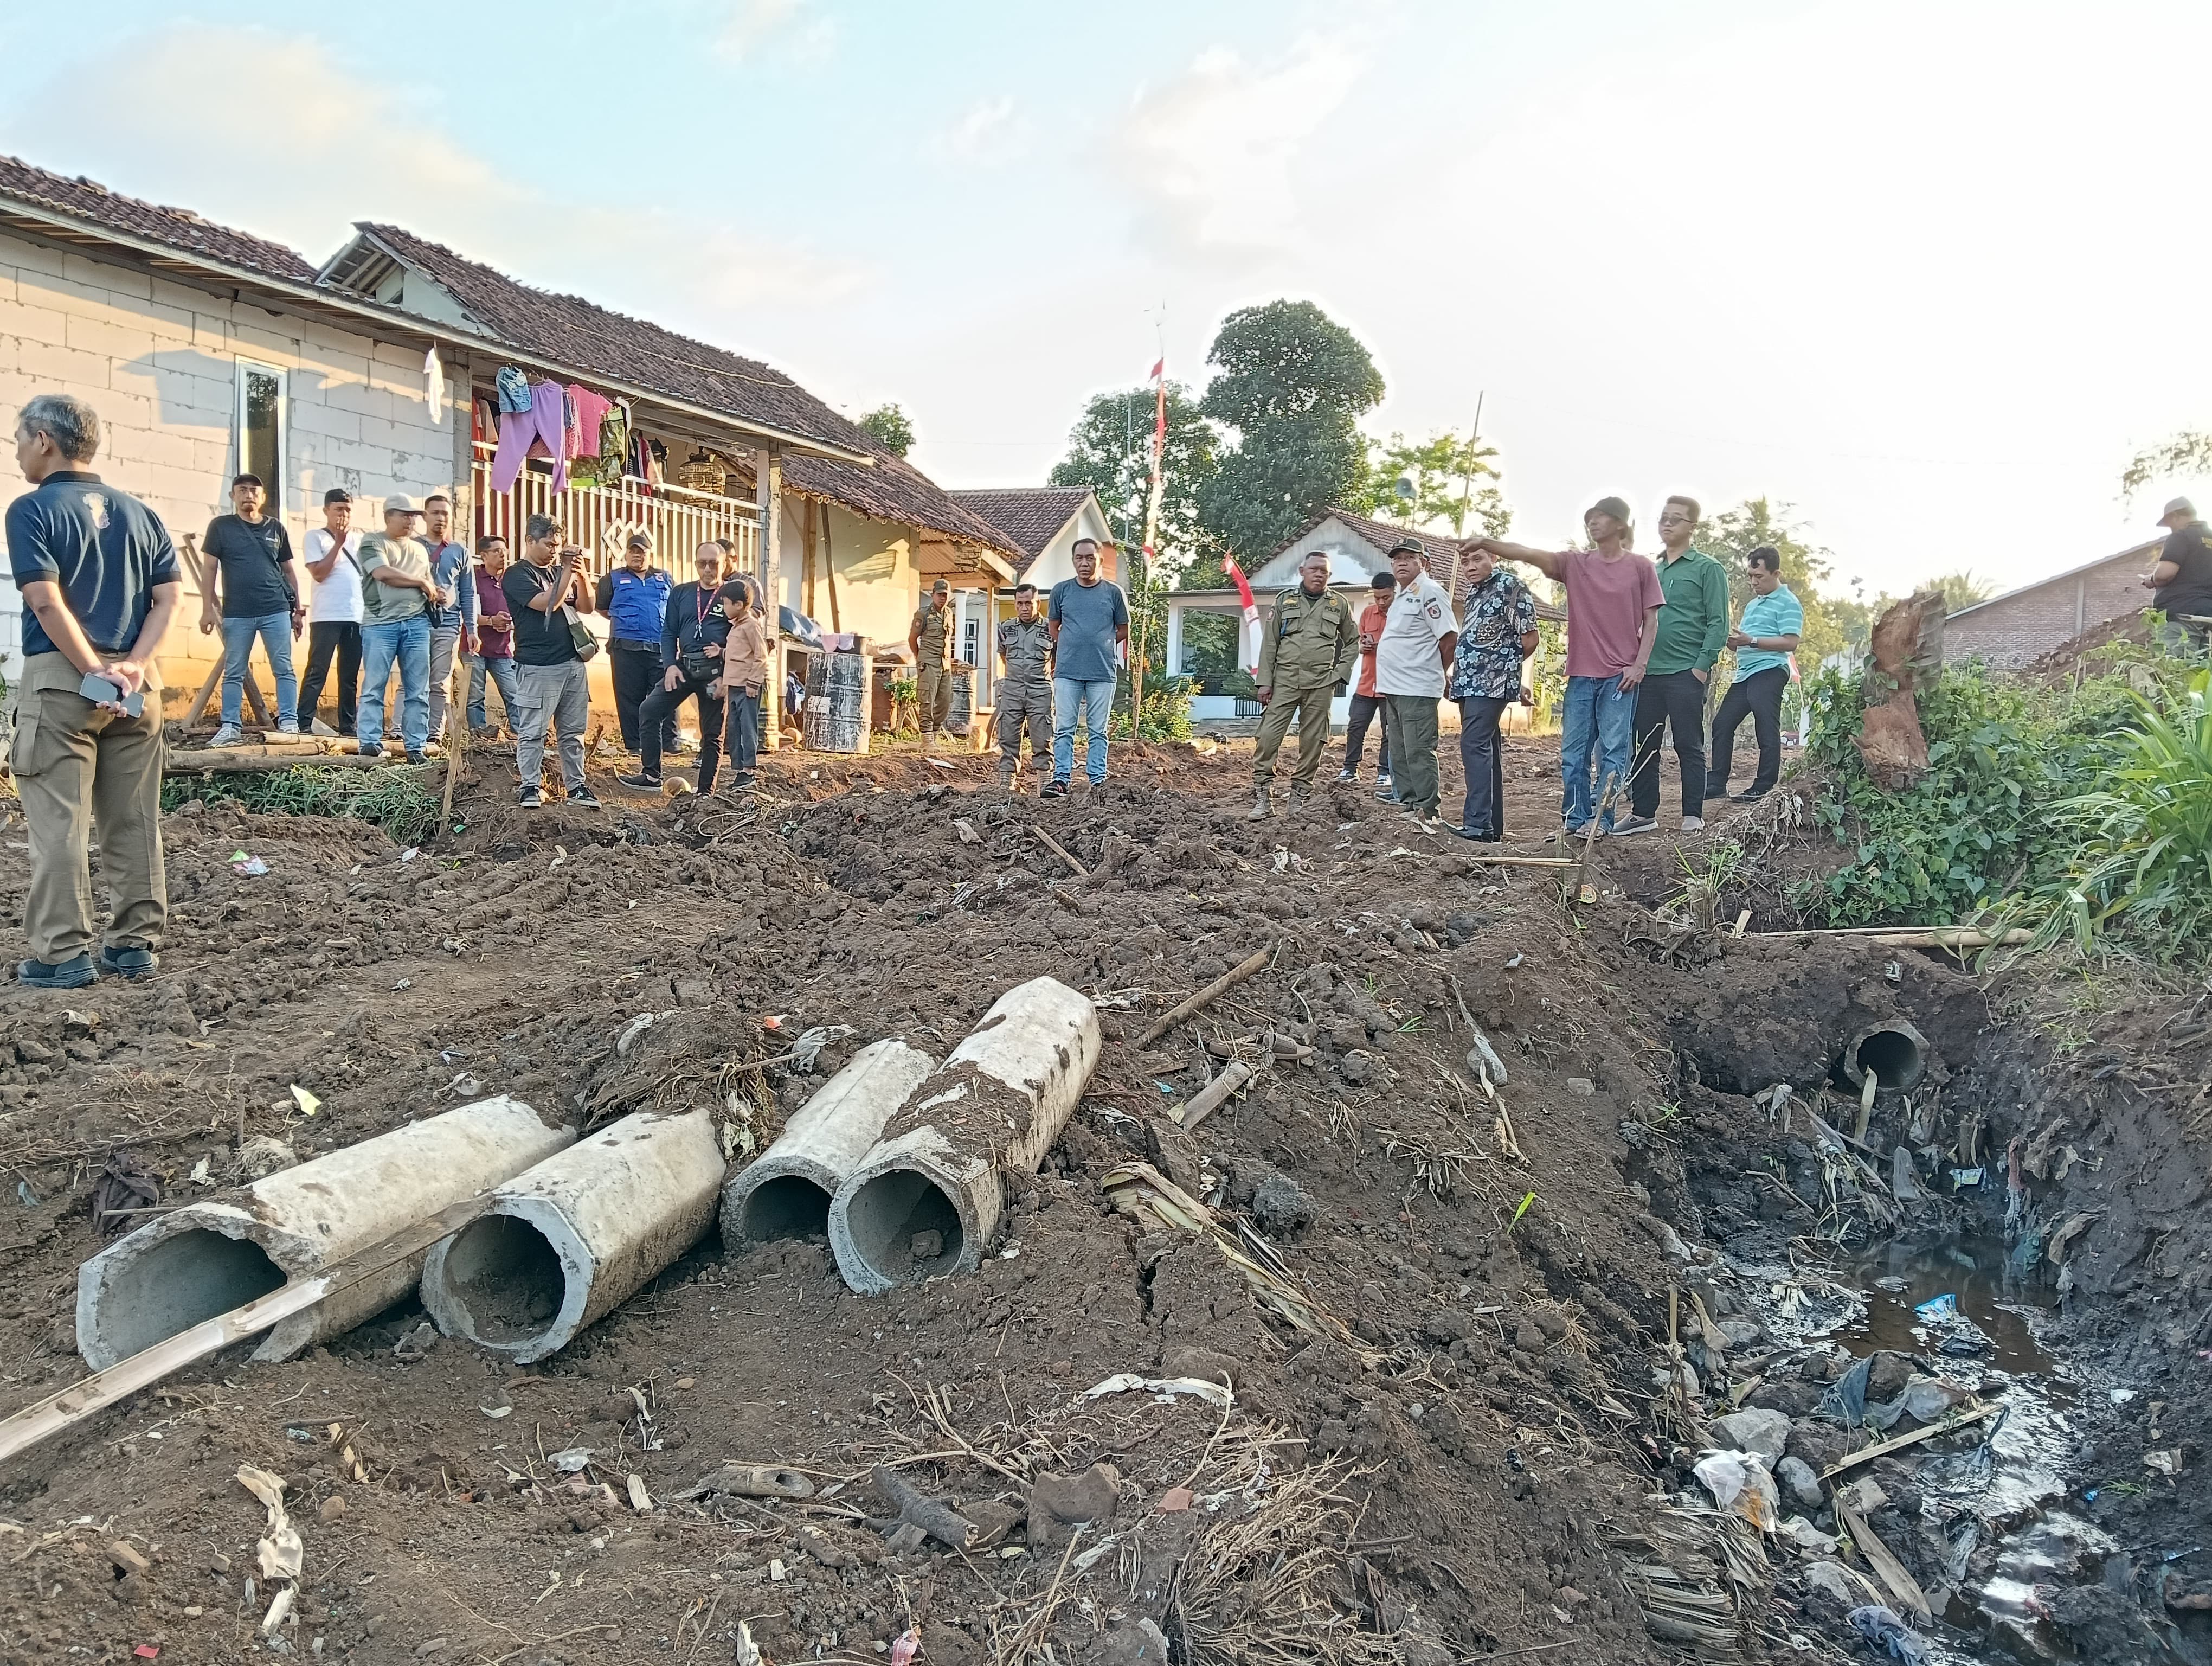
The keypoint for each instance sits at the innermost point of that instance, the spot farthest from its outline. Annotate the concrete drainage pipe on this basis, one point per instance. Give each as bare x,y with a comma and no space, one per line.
566,1243
1895,1052
785,1192
926,1201
206,1258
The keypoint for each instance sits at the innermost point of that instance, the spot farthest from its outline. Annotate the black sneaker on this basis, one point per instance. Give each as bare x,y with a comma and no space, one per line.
372,749
1634,824
640,782
1747,796
1053,789
1347,775
1716,789
584,798
128,962
77,972
418,758
530,798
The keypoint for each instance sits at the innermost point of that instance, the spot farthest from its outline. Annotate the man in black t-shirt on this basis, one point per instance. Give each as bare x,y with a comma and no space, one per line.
252,591
2181,583
548,671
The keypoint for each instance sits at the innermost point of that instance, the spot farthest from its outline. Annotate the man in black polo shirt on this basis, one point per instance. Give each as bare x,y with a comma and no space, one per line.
99,582
541,589
693,630
253,592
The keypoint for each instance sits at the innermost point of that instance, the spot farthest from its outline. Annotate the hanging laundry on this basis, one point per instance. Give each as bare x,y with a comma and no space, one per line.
483,424
591,417
540,430
515,395
614,439
434,385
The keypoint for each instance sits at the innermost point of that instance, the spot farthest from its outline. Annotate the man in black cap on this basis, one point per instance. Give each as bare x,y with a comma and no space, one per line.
2181,583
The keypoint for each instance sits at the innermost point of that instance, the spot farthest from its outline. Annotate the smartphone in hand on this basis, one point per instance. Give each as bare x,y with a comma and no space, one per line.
107,692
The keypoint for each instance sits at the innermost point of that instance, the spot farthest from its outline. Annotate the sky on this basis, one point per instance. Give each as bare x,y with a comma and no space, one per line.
1928,272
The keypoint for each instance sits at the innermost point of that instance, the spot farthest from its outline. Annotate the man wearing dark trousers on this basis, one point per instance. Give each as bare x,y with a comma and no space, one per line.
100,583
692,633
1764,641
635,599
1692,629
333,611
1367,705
1496,632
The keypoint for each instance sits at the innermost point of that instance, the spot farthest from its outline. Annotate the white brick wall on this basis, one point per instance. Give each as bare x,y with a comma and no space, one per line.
157,360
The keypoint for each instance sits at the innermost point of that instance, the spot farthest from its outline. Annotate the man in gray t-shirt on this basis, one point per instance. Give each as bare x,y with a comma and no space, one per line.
1090,620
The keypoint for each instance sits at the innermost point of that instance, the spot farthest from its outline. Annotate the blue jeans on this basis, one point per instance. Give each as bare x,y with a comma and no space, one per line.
1097,701
408,644
1601,719
275,630
501,672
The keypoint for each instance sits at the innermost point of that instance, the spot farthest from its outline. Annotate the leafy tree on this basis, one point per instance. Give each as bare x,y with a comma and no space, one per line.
1292,385
1732,534
1110,450
1961,589
2179,454
1443,472
890,428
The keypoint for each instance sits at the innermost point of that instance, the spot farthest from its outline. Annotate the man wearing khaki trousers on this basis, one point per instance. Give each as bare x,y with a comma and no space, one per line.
99,582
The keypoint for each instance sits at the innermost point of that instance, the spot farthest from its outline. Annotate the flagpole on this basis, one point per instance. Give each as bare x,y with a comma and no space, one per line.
1151,534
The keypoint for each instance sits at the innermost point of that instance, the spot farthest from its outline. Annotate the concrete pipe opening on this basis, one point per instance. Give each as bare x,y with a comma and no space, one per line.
1895,1053
788,1207
886,1214
504,1280
179,1282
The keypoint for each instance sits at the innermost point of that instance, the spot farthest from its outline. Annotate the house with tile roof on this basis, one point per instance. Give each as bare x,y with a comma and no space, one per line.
1044,523
207,351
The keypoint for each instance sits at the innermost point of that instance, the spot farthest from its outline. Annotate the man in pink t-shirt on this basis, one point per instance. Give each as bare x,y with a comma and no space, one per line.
1613,619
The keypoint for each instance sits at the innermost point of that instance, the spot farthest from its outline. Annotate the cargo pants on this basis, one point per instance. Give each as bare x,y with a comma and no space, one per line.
1024,703
75,767
1310,708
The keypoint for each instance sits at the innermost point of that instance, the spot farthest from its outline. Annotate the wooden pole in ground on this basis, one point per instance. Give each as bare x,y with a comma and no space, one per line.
457,726
1574,880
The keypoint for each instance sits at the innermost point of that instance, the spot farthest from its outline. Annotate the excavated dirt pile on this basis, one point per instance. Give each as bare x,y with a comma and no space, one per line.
1406,1353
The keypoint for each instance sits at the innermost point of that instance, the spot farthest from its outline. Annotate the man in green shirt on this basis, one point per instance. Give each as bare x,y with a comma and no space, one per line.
1693,627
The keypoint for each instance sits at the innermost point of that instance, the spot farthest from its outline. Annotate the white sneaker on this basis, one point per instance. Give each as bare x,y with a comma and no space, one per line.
1693,824
228,735
288,725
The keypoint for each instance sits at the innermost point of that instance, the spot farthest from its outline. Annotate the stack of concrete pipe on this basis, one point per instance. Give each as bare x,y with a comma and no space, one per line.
193,1263
896,1150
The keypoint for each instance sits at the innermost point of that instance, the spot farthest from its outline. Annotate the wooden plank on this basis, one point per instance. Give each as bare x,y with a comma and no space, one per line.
1949,1424
1883,1560
246,760
1053,845
57,1412
1236,975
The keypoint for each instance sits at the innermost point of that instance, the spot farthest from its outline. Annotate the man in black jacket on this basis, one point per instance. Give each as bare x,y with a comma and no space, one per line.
692,633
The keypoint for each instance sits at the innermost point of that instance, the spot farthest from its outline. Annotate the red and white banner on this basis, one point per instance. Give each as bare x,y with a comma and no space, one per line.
1250,658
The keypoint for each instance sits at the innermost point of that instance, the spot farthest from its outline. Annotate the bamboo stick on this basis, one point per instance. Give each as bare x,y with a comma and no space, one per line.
239,761
1053,845
1228,980
1948,1425
1210,1097
1883,1560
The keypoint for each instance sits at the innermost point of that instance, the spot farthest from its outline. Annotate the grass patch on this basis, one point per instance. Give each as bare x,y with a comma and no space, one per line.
395,800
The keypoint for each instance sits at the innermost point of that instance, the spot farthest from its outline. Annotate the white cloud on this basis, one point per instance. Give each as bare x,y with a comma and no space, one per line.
1212,155
753,25
356,147
988,132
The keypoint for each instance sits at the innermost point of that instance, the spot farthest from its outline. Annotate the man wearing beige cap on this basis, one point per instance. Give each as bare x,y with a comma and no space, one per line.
2181,583
397,593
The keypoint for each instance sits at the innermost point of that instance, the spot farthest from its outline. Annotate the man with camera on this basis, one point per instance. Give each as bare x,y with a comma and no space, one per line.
545,591
99,582
692,632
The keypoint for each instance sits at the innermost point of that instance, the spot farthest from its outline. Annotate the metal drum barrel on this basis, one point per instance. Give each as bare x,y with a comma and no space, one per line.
836,715
963,701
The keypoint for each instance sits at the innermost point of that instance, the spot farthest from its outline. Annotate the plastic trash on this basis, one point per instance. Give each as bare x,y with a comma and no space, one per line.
1739,1482
1939,1309
1886,1631
248,867
1845,1400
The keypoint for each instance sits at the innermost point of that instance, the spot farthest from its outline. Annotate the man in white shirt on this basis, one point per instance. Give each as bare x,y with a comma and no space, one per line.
334,612
1419,639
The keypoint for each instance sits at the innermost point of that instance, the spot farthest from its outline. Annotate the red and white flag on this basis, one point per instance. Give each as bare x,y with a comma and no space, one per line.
1250,658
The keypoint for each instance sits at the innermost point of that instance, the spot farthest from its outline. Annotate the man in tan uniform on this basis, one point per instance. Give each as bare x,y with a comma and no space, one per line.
931,639
1024,687
99,582
1306,656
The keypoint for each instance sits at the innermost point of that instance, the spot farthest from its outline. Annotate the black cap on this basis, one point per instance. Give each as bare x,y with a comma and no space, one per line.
1409,546
246,480
337,495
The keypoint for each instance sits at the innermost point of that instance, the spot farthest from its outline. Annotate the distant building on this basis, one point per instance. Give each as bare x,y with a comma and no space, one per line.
1041,523
2019,627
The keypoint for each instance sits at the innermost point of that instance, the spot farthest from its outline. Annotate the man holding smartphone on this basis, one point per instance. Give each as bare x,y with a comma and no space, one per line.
99,582
540,590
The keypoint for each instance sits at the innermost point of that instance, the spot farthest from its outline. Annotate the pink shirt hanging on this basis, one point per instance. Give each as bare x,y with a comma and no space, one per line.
591,412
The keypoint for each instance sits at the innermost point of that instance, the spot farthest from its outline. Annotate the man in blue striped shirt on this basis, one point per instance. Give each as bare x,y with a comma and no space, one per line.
1764,641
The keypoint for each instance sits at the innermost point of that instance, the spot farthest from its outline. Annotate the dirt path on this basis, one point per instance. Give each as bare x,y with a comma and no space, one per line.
1462,1464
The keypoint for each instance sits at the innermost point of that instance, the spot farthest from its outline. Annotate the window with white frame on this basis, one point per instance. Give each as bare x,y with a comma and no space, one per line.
259,428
